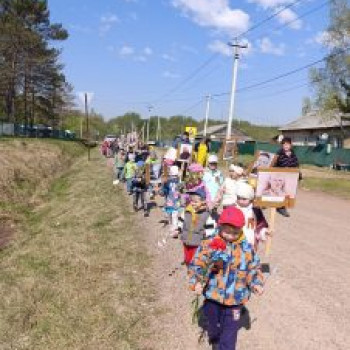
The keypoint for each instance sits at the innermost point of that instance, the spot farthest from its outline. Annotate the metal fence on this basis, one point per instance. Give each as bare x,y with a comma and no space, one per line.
36,131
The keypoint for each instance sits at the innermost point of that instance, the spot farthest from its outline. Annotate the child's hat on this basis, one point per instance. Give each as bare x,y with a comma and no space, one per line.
131,156
232,216
140,163
174,170
245,190
237,169
195,168
212,159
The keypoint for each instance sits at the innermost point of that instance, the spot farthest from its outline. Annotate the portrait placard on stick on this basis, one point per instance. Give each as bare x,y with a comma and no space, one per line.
262,159
276,187
229,150
184,153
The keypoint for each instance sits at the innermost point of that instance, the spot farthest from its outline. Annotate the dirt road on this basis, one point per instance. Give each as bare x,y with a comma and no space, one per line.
306,304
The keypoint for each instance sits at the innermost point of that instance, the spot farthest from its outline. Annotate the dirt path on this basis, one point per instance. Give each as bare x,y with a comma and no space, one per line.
306,304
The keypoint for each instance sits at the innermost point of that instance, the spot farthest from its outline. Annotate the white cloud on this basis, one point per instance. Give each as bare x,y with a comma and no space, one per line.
111,18
270,3
220,47
107,22
148,51
140,58
266,46
170,75
214,14
168,57
289,17
126,51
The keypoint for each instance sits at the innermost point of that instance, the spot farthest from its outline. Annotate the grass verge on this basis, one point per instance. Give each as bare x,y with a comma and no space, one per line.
340,188
75,276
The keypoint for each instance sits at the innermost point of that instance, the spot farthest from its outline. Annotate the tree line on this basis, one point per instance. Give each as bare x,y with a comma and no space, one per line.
33,88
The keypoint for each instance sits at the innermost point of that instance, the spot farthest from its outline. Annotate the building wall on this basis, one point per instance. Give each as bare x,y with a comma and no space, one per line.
312,137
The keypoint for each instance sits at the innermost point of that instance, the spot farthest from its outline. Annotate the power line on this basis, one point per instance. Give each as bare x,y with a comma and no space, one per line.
215,55
259,24
188,78
303,15
267,81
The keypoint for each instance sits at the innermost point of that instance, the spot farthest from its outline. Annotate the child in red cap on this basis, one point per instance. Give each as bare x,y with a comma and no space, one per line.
226,270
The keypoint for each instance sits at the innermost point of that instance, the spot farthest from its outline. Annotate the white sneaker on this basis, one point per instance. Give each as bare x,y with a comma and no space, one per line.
115,182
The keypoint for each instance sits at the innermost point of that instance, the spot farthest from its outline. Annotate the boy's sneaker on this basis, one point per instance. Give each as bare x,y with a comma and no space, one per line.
135,207
146,214
115,182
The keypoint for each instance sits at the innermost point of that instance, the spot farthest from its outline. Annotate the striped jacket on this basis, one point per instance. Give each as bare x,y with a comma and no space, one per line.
226,282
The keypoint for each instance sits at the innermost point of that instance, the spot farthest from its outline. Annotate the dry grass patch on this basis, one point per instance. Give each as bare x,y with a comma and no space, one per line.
75,279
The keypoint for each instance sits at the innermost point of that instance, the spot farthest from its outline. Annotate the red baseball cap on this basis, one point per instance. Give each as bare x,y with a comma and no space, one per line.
232,216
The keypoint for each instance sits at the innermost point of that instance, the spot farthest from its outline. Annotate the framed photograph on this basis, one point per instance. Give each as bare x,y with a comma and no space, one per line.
262,159
230,149
155,172
185,153
276,187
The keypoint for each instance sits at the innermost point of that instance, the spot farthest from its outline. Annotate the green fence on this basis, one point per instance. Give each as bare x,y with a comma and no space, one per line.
320,155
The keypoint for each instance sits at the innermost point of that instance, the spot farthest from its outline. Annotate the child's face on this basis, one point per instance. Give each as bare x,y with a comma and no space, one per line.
243,202
213,166
230,233
196,202
234,175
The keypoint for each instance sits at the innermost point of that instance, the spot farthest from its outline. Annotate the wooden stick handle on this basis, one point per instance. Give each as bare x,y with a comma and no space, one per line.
272,229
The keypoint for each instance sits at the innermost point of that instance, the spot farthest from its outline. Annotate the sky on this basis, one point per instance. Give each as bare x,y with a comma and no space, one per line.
163,57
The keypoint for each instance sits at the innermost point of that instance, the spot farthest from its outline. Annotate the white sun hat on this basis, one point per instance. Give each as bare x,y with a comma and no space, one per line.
244,190
237,169
212,158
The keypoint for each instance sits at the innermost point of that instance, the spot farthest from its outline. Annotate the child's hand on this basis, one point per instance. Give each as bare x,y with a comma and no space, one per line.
198,289
269,232
258,290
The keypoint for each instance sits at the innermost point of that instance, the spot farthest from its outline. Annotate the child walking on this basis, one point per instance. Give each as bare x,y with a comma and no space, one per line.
139,188
129,172
194,222
119,163
226,270
227,193
256,228
172,199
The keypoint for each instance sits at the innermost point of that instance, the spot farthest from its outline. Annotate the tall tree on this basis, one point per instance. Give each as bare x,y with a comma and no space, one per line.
332,82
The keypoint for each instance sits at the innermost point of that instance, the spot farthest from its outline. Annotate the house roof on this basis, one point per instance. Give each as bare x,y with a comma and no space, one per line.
315,120
220,130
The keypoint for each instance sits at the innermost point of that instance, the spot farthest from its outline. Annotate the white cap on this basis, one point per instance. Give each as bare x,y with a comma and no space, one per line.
171,154
131,156
244,190
229,200
174,171
237,169
212,159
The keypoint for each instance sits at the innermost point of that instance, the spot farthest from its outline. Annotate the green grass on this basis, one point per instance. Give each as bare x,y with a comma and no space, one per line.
336,187
75,277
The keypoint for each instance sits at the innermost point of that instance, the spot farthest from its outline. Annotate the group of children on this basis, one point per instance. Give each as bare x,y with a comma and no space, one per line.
217,223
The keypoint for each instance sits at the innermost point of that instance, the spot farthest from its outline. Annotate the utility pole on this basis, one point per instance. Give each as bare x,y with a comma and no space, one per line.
207,115
158,128
87,123
236,50
149,121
